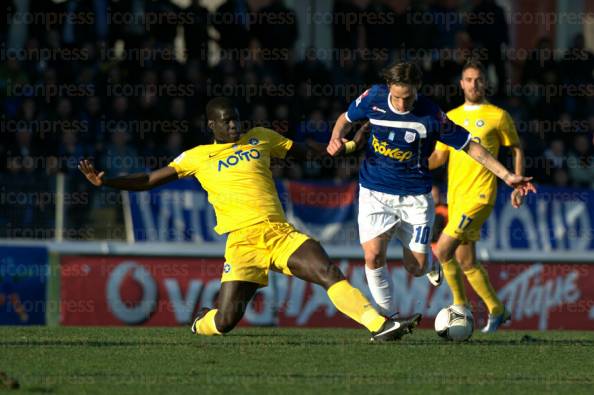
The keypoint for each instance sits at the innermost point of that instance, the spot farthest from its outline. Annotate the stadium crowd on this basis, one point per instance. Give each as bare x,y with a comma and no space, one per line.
110,80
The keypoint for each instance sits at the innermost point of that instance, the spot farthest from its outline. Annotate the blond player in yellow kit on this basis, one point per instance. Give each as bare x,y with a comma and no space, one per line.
472,190
235,172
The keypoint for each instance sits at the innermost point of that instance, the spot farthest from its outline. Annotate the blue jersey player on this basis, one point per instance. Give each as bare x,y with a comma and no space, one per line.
395,182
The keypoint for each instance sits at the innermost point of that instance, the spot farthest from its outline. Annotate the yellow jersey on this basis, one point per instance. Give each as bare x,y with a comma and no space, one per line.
491,127
237,177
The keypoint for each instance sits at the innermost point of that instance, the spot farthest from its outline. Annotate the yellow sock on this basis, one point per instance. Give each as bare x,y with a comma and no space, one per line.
453,276
206,325
351,302
479,280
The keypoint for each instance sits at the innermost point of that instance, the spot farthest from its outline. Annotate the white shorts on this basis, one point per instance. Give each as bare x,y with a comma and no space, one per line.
409,217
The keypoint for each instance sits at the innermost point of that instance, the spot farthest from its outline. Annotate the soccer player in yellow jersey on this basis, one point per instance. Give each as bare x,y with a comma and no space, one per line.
235,172
472,190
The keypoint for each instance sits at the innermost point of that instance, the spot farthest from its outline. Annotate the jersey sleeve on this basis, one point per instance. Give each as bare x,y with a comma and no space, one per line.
508,135
184,164
358,109
451,134
279,144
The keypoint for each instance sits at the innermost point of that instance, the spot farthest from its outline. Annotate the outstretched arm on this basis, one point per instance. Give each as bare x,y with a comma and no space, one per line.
481,155
131,182
309,150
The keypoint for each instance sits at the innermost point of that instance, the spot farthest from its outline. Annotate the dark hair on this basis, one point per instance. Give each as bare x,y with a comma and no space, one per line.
218,104
472,63
403,73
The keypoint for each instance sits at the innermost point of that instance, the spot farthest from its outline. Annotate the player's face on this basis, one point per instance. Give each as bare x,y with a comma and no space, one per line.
403,96
226,126
473,84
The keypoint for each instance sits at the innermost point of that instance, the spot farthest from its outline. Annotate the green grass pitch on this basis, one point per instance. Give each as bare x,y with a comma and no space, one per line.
268,360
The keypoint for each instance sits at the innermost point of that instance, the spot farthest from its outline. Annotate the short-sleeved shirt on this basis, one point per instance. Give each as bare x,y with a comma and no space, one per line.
400,143
237,177
491,127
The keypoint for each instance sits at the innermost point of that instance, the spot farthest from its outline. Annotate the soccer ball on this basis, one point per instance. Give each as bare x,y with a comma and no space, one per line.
454,323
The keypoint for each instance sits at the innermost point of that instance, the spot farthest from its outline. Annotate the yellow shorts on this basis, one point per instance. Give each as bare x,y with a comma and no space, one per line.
466,220
251,252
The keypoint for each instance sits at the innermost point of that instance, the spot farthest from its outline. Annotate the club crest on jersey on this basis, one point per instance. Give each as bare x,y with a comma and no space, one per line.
253,141
394,153
226,267
363,95
239,156
480,123
409,137
376,108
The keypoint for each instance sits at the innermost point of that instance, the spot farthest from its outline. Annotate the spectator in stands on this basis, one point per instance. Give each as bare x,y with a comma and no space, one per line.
576,68
120,157
448,21
295,98
12,76
167,17
555,154
548,105
445,75
556,158
121,113
276,31
540,61
581,162
70,152
492,36
348,36
196,34
172,148
386,27
22,152
560,178
233,22
94,122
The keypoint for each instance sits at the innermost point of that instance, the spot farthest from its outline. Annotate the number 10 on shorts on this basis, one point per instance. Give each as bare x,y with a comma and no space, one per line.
422,234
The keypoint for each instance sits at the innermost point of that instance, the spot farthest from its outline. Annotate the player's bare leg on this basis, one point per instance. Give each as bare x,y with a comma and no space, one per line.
311,263
232,302
445,253
419,264
446,247
376,272
466,255
478,278
416,263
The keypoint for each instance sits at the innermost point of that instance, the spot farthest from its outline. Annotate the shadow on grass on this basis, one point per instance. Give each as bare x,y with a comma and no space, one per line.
87,343
40,390
277,339
526,340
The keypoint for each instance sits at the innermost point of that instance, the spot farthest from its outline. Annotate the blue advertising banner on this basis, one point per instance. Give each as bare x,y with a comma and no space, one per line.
552,220
23,281
178,211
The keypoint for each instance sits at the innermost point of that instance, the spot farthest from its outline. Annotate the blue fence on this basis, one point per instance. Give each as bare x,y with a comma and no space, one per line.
552,220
